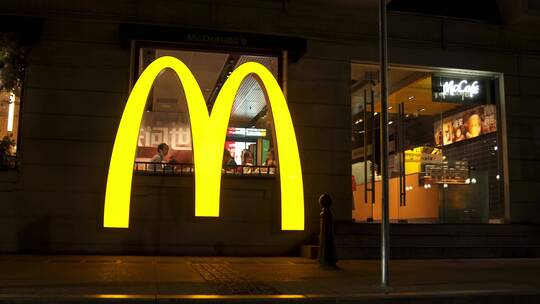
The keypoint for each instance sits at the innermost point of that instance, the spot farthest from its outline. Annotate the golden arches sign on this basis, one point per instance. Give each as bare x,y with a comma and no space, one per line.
208,134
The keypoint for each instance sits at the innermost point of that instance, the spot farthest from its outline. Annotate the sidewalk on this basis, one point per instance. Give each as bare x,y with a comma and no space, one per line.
122,279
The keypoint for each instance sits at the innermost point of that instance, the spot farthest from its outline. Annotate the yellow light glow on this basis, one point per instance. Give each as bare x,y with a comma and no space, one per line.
208,134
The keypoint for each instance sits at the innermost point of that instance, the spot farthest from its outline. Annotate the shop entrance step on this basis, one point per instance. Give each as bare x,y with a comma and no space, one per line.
438,241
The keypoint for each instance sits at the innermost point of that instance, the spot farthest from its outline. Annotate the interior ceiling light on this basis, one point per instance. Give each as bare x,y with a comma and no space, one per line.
390,122
411,97
421,110
390,108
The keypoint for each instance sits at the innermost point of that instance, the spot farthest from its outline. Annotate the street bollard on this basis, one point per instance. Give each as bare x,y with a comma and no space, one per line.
327,244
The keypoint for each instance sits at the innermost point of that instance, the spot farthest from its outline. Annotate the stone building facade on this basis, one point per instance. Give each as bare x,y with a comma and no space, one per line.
78,79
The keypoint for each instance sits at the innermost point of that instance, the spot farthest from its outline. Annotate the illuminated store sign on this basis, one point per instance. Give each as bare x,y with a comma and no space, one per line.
236,131
250,132
256,132
208,138
461,90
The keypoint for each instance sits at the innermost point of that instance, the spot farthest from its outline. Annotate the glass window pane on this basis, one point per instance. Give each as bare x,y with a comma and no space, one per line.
166,119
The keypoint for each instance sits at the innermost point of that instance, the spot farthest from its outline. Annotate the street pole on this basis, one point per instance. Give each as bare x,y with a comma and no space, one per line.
385,218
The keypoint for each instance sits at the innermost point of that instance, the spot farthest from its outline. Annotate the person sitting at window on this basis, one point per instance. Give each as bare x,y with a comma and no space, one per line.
162,151
270,161
247,160
228,162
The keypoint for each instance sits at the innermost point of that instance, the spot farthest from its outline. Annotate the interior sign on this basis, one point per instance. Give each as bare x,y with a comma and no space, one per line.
459,90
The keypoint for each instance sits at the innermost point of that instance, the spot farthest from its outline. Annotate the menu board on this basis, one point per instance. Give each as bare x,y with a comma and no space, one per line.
249,132
466,125
454,172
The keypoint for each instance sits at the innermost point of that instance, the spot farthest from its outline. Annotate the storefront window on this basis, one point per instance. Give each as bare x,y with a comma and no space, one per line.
12,64
444,141
9,122
249,139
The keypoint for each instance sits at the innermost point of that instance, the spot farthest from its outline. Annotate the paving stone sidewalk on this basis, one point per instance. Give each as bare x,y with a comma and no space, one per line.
260,278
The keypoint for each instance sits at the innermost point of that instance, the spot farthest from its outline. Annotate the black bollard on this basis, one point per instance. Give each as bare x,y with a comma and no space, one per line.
327,244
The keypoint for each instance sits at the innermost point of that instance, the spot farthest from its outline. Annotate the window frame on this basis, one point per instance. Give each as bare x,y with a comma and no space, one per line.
500,104
281,55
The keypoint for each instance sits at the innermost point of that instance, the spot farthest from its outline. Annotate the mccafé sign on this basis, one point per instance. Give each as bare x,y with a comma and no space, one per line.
463,89
460,89
208,133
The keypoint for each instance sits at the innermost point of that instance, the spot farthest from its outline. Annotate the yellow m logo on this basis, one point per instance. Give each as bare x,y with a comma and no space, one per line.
208,135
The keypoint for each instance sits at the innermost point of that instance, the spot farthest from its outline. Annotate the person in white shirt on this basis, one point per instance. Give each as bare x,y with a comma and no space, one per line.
163,150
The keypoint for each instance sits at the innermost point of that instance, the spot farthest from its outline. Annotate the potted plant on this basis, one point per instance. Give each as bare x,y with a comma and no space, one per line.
7,145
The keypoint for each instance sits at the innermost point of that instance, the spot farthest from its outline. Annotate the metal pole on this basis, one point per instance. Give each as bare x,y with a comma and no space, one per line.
372,126
385,236
365,147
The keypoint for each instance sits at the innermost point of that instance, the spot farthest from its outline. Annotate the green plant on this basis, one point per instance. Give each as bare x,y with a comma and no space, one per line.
12,63
6,145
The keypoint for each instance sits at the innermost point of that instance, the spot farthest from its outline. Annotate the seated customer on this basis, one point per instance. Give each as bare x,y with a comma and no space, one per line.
270,162
162,151
247,160
228,162
270,159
